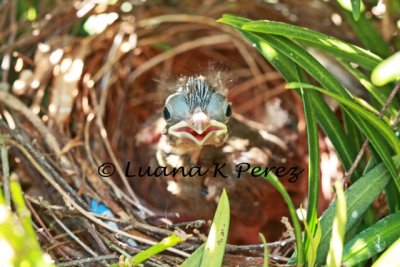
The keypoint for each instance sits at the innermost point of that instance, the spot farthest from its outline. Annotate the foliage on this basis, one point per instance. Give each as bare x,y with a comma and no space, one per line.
18,243
212,252
284,46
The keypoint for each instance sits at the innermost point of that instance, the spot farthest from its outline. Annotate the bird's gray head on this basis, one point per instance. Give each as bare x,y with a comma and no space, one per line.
197,113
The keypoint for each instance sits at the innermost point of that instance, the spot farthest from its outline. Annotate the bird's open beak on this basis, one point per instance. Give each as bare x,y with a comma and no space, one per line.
199,130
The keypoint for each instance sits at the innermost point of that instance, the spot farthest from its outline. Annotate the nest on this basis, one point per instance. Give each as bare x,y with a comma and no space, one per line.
78,102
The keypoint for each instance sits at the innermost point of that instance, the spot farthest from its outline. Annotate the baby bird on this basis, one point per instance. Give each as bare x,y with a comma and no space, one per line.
212,150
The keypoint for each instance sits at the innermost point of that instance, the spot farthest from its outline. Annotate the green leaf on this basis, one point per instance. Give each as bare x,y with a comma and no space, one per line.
369,36
326,118
233,20
266,254
270,49
372,240
271,178
22,210
318,40
390,257
216,241
369,115
279,61
19,244
338,229
359,196
380,94
167,242
313,165
380,126
387,71
195,259
313,154
353,6
356,9
314,241
314,68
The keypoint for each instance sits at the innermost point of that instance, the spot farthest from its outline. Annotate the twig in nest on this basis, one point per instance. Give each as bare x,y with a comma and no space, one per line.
25,148
87,260
104,136
49,138
74,237
92,230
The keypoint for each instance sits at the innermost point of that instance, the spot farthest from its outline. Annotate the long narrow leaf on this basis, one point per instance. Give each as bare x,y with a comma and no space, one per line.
318,40
353,6
266,253
356,9
271,178
369,36
167,242
387,71
216,241
312,66
370,117
313,165
18,234
380,94
326,118
390,256
359,197
372,240
195,259
338,229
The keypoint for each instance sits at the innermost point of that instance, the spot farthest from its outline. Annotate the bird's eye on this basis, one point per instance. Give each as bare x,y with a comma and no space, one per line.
166,113
228,111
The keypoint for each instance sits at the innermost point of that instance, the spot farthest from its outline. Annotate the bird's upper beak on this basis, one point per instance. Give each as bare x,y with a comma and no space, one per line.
200,122
198,129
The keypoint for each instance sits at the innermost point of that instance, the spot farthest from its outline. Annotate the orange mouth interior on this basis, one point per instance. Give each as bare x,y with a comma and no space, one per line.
196,135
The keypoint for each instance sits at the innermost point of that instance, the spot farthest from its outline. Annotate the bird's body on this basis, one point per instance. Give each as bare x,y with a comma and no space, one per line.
220,152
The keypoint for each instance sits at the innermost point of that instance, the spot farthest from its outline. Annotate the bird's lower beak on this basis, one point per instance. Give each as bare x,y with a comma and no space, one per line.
199,131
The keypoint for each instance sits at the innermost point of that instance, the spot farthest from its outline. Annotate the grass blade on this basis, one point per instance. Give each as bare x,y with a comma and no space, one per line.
17,234
312,248
390,256
356,9
313,154
266,253
369,36
372,240
370,119
314,68
384,128
271,178
326,118
338,229
318,40
379,94
215,246
313,165
359,197
195,259
353,6
167,242
387,71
